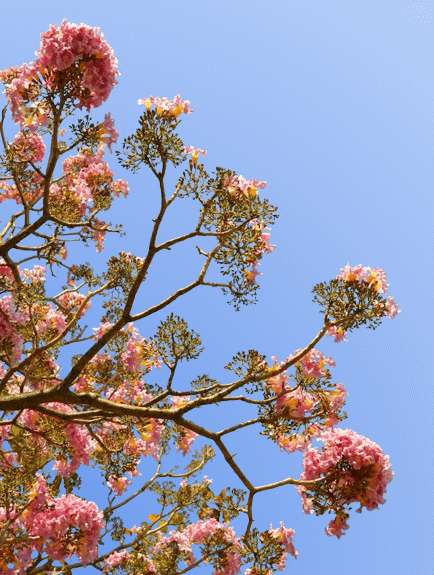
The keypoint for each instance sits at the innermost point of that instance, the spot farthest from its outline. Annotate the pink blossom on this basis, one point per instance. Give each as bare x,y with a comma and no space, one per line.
337,526
32,189
392,307
172,107
98,234
20,82
268,248
251,274
89,178
278,382
118,484
62,47
107,127
179,400
27,147
82,446
48,520
339,333
195,152
187,438
237,185
130,258
115,559
135,472
338,397
349,274
149,444
264,247
10,318
377,279
53,320
139,353
285,537
120,187
6,275
101,330
313,363
297,442
296,404
200,532
73,300
37,274
365,484
374,277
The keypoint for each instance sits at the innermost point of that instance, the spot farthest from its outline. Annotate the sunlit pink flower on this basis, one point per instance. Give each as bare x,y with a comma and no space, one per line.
118,484
173,107
339,333
195,152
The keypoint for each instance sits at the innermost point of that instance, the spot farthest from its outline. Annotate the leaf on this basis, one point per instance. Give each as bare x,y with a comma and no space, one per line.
163,526
177,519
154,517
16,431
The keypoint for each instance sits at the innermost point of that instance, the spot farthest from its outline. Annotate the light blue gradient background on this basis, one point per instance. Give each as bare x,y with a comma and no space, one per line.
330,102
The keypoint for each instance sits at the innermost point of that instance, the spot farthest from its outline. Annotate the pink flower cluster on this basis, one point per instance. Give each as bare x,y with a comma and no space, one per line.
265,247
300,441
48,522
187,436
7,279
339,333
80,444
297,442
60,49
150,442
284,536
265,236
313,363
73,300
392,307
195,152
32,189
115,559
365,482
252,273
237,185
375,278
130,258
81,447
118,484
138,352
101,330
200,532
36,275
48,321
27,146
173,107
11,319
52,322
108,127
86,174
295,404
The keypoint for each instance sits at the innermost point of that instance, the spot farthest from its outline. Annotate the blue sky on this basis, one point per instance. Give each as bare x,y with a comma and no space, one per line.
330,102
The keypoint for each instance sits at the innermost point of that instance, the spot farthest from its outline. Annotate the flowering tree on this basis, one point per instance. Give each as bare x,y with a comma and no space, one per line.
103,412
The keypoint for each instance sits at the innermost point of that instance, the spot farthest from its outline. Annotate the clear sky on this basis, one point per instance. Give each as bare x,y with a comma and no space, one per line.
330,102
